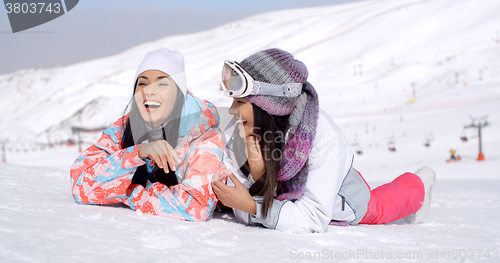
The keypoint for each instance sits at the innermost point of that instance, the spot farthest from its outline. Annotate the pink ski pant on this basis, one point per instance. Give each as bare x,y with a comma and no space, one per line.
395,200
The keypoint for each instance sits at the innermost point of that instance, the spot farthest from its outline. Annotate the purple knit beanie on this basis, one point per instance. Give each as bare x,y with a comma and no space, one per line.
276,66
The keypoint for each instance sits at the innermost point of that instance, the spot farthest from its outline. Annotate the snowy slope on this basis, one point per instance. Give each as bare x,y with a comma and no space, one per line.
385,70
40,222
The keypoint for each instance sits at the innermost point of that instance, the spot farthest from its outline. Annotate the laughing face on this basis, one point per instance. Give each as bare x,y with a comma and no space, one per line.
242,111
155,96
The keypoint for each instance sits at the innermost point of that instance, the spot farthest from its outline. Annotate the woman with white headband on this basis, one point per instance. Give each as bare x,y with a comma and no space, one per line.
160,158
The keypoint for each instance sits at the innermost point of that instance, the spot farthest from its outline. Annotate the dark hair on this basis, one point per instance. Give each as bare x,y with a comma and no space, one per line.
270,131
170,134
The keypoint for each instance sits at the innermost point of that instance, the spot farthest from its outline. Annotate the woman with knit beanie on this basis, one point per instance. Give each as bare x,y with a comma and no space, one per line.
292,166
160,157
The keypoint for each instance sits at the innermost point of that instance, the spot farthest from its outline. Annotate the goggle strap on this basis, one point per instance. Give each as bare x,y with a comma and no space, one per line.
284,90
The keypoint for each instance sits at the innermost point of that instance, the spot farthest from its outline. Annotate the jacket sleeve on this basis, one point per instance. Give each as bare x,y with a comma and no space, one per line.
104,171
329,161
193,198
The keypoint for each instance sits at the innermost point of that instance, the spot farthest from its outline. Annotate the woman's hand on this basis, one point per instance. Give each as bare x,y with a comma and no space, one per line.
255,160
236,196
162,153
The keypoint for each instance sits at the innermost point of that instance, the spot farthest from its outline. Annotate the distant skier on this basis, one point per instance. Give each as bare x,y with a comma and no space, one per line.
454,158
452,151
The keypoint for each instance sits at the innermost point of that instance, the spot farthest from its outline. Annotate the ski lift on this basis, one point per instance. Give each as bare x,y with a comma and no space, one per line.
4,158
429,137
357,149
391,144
463,137
477,124
355,145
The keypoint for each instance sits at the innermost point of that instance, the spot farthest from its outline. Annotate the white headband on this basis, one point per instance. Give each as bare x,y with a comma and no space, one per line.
169,62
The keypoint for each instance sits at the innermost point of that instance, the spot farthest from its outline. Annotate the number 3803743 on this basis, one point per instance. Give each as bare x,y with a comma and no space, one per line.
32,8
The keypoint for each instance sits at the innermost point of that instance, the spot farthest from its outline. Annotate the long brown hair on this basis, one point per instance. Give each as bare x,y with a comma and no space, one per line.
270,132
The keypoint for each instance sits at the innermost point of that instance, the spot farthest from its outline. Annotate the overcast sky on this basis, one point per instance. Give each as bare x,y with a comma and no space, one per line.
98,28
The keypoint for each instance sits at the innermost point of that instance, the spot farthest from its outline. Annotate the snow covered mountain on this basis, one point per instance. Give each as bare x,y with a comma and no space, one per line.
390,72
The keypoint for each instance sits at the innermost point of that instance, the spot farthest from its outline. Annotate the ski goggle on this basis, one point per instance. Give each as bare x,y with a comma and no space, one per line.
237,83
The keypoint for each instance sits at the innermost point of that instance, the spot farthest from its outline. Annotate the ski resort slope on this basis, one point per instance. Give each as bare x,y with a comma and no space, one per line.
391,73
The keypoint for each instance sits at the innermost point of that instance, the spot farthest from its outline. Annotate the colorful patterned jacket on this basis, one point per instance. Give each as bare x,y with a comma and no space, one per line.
103,173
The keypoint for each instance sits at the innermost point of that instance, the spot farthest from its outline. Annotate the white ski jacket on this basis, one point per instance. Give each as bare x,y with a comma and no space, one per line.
334,190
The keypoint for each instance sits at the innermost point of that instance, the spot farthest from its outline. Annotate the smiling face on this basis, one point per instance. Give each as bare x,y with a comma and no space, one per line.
155,96
242,111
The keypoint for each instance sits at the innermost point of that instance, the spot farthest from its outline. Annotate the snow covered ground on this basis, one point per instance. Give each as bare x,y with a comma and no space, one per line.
40,222
400,71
